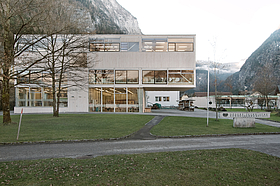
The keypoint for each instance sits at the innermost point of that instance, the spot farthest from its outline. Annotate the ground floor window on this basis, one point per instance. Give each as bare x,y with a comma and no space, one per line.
164,98
39,97
112,99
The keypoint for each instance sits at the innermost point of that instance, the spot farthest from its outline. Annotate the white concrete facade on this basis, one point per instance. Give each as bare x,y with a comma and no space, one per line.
165,98
121,69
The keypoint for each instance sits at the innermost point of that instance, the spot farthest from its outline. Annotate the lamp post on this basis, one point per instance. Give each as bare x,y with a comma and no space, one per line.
208,97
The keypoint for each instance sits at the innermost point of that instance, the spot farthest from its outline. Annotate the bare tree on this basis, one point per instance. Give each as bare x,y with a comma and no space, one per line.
65,65
18,18
265,82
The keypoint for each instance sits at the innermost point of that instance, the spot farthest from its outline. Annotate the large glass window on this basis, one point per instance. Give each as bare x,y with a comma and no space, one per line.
101,76
48,97
108,100
180,47
105,45
35,97
38,97
121,76
95,99
160,77
23,97
132,76
148,76
154,76
133,103
120,96
154,45
127,76
181,77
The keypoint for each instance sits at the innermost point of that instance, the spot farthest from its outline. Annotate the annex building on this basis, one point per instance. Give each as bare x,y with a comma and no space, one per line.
123,68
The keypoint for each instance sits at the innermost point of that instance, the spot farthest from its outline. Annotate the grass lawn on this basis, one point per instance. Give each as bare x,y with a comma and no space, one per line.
273,117
178,126
199,167
72,126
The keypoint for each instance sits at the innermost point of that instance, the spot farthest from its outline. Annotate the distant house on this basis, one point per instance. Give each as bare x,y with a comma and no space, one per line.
237,101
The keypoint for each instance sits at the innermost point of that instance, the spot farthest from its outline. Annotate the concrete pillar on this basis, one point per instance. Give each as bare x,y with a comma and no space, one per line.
141,99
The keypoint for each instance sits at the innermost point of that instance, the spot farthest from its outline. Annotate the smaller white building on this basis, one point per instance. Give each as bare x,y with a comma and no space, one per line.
165,98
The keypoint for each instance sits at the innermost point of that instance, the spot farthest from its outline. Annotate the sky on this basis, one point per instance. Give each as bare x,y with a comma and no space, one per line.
226,30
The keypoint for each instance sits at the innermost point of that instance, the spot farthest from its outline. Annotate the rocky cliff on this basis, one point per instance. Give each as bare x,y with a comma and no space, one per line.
267,54
108,17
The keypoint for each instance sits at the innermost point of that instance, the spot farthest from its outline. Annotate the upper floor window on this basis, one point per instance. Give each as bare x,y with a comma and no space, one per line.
154,76
154,45
105,45
127,76
181,77
181,45
101,77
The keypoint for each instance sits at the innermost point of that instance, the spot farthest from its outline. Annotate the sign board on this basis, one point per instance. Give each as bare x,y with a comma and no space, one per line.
244,119
245,115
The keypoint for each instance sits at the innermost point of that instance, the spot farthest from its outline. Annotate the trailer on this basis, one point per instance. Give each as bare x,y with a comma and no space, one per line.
186,104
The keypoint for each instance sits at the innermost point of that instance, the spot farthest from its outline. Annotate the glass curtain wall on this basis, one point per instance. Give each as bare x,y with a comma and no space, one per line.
108,100
113,100
95,99
185,77
39,97
120,99
154,76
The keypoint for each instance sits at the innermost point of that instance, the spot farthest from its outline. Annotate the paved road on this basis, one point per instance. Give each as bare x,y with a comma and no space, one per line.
269,144
142,142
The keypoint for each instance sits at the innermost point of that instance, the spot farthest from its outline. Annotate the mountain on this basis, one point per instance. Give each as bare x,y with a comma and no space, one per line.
107,17
223,71
268,54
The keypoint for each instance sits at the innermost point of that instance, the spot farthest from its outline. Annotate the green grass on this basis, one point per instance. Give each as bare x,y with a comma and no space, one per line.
199,167
274,117
178,126
72,126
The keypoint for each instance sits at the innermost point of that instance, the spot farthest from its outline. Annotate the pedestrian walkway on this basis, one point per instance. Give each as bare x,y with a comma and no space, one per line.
144,133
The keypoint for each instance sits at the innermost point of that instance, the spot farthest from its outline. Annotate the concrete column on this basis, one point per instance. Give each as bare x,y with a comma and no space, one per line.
141,99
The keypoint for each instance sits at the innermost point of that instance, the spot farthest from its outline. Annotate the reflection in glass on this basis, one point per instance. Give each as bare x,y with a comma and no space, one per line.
148,77
121,76
95,99
132,77
48,97
161,77
35,97
120,99
23,97
107,100
133,105
154,77
101,76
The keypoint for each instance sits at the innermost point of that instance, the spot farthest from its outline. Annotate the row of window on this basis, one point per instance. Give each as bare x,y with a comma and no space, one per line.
148,77
164,98
38,97
148,45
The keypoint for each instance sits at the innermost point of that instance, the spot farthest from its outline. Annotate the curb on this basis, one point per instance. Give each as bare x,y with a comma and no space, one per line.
125,137
218,135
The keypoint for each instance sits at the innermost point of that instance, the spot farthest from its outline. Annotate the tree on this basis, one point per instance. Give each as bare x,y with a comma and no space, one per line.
65,64
20,17
265,82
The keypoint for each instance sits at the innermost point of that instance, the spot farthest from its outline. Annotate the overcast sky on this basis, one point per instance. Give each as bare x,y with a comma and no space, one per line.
238,27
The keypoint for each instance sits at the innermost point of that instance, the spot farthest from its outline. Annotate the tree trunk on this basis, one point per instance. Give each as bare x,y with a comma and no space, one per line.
6,101
6,67
55,114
